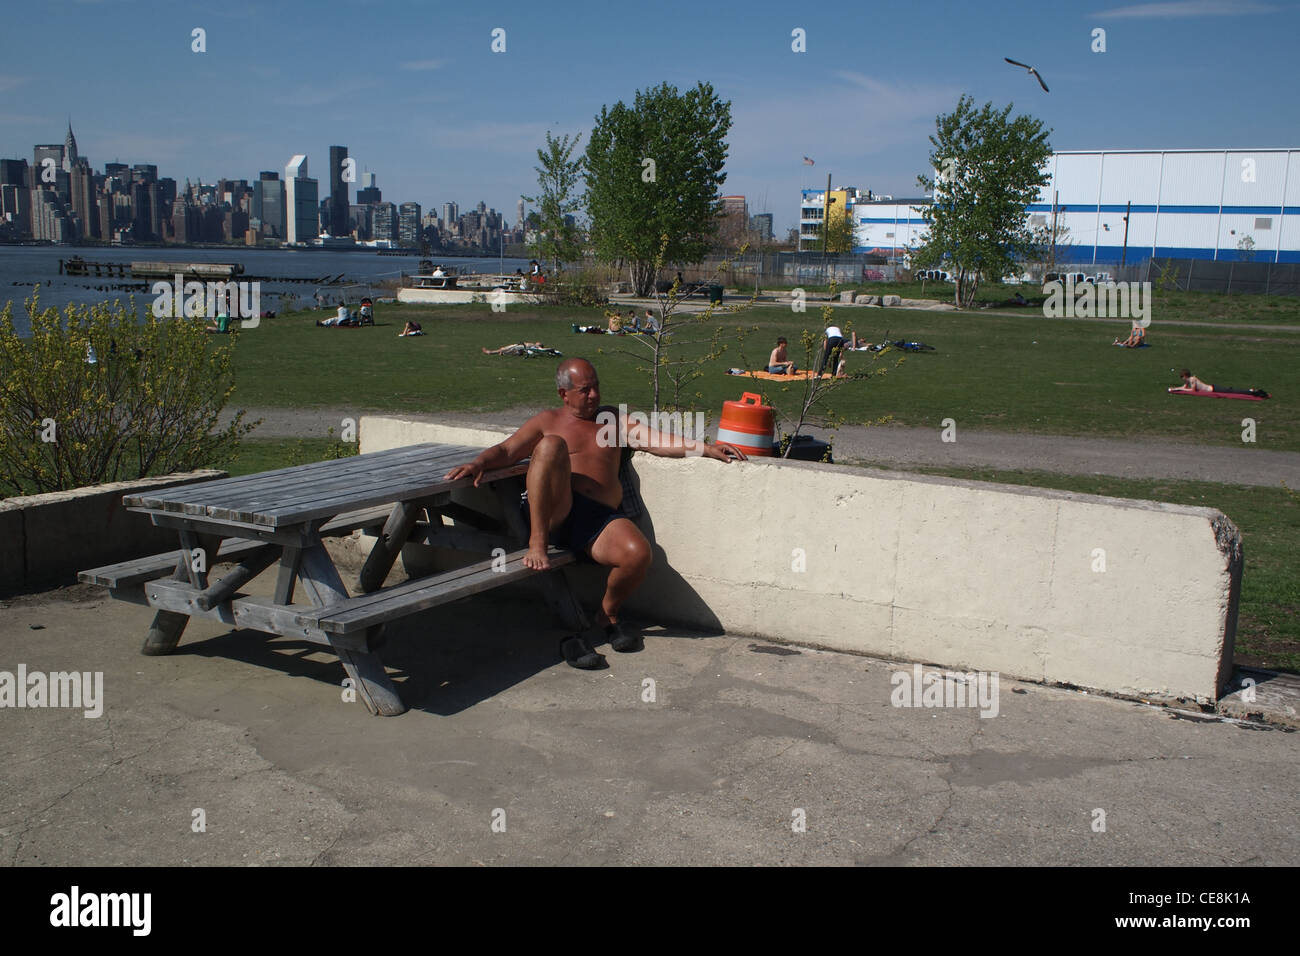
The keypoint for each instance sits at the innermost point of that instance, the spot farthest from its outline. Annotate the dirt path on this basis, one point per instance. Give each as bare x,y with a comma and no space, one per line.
900,447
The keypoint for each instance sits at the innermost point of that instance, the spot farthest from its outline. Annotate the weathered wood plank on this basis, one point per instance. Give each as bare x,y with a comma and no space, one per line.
138,570
254,614
159,498
321,581
325,483
287,577
411,598
380,560
245,571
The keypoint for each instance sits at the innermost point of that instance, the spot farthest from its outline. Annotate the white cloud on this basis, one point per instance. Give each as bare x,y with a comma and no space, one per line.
328,90
423,64
8,83
1187,8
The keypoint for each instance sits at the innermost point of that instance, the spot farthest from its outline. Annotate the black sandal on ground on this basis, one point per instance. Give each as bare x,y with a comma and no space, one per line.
580,654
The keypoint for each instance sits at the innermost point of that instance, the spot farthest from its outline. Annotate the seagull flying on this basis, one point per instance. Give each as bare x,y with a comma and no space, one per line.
1032,72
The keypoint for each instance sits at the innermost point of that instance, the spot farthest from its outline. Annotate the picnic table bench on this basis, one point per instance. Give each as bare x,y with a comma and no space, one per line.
283,517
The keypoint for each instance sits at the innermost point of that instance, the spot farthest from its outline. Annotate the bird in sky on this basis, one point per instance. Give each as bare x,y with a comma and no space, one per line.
1032,72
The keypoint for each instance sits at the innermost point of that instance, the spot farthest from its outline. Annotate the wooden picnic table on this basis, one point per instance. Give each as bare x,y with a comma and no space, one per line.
282,517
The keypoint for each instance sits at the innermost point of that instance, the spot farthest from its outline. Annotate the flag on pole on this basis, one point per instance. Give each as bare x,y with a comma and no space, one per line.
808,162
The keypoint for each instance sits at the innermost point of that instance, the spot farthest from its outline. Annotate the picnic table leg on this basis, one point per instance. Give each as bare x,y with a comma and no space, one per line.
555,586
388,545
168,626
321,581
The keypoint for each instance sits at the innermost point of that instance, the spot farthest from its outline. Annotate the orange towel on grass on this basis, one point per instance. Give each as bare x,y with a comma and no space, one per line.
796,377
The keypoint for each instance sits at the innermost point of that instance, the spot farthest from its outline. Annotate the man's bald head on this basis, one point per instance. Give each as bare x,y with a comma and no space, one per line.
564,373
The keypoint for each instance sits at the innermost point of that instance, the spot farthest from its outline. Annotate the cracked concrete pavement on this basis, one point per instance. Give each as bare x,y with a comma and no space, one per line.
582,768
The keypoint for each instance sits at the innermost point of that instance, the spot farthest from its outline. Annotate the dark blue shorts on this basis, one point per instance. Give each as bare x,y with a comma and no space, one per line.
587,518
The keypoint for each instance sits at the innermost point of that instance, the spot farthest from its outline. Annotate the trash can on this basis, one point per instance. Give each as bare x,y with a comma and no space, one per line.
715,294
806,448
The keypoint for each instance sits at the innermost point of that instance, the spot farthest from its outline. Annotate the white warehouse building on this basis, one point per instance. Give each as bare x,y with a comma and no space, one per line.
1229,204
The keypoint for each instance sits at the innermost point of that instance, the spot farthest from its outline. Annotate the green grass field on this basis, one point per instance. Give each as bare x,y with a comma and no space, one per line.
1020,373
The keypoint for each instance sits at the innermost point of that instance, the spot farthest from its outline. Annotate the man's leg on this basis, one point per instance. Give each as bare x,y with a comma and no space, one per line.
624,550
549,497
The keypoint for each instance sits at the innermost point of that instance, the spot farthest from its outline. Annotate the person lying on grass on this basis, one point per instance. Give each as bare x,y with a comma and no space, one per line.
1194,384
574,493
520,348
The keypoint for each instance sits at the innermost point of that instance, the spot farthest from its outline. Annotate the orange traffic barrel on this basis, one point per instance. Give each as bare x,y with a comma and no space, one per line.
747,424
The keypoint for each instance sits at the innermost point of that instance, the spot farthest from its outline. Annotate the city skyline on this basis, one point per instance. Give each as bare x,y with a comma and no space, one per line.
455,119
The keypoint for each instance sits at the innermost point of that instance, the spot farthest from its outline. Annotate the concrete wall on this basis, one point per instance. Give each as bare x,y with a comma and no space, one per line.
955,573
46,539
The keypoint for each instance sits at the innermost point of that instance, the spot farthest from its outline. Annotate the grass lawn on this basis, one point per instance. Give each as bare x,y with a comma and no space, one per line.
1018,373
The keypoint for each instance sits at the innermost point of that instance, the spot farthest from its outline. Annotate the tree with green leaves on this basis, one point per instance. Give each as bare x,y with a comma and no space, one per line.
557,179
654,169
990,168
840,233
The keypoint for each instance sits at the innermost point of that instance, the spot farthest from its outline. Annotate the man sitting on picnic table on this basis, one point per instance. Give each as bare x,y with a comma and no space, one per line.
574,493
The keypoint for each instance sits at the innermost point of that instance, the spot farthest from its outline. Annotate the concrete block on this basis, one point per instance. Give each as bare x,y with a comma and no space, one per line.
891,300
846,297
64,532
958,574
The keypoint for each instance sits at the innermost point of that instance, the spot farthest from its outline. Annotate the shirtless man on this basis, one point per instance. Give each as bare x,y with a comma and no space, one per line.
574,493
778,363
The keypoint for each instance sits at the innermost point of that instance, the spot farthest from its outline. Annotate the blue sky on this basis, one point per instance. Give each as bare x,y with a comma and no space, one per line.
415,92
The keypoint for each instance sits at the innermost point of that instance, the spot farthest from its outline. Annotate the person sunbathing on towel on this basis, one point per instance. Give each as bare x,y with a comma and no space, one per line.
1135,338
514,349
1194,384
778,363
574,493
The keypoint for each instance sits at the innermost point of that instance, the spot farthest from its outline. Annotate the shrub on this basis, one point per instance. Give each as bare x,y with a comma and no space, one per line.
580,289
146,405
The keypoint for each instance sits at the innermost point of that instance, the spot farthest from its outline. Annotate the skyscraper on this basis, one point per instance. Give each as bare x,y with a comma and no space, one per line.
384,221
449,211
519,220
300,199
268,204
338,224
369,194
408,224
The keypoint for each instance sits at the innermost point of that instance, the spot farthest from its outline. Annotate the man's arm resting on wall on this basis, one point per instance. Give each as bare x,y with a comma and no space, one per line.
515,448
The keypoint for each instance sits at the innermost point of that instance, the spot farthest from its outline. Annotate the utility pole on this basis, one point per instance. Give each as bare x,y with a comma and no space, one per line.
826,217
1123,256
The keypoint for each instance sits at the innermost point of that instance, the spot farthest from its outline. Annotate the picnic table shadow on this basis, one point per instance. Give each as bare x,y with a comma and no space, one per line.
449,658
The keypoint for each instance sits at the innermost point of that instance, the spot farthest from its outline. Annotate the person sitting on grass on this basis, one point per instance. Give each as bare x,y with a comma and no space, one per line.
343,318
367,314
615,326
574,494
222,325
651,326
411,328
1192,383
1136,338
778,363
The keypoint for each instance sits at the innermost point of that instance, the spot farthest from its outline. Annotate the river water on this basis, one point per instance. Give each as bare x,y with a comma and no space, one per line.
23,267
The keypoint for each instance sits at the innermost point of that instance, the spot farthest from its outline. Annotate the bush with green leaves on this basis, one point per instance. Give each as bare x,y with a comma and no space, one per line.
95,396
